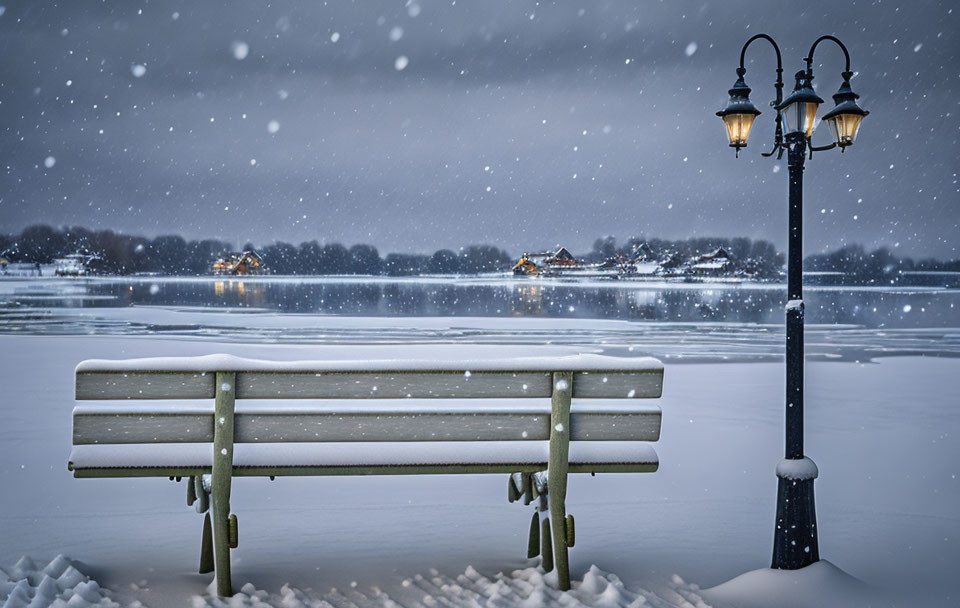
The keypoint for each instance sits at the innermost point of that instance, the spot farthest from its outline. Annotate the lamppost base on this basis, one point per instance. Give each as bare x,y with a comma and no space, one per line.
795,544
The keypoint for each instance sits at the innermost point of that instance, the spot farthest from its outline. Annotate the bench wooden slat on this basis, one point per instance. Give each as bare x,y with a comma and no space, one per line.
380,423
401,385
618,385
135,427
365,385
145,385
643,425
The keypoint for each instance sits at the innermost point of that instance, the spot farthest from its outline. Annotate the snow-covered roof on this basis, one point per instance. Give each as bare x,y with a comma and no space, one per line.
646,267
719,264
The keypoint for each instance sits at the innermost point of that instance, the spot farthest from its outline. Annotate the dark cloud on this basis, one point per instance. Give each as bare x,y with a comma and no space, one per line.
586,119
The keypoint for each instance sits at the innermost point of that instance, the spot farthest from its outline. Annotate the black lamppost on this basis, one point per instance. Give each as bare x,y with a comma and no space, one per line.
795,537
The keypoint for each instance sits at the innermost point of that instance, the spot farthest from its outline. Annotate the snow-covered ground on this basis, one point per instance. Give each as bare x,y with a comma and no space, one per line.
882,431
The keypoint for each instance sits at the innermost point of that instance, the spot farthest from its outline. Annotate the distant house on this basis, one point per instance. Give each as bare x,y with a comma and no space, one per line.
525,266
559,260
642,253
716,262
248,262
561,257
78,264
670,261
642,262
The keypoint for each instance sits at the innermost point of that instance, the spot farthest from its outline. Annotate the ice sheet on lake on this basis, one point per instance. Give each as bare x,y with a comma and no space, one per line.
677,322
668,341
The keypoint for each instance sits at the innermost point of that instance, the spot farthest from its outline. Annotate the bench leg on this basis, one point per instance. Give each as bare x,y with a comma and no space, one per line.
557,471
221,539
558,518
206,546
221,478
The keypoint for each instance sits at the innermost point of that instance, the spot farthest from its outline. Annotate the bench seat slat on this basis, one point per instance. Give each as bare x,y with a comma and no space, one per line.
370,420
265,457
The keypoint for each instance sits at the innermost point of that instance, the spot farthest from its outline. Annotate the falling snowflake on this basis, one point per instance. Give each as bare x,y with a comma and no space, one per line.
240,49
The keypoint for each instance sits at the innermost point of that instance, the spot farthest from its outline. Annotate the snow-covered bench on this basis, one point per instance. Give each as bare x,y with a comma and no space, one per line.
537,419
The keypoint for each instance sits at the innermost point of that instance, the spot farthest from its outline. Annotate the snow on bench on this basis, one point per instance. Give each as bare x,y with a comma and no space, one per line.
216,417
385,456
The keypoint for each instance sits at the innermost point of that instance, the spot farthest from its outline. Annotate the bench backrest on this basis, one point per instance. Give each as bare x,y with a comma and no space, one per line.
366,400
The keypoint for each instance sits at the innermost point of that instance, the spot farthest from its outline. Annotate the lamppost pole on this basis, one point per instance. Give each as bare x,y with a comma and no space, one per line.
796,150
795,542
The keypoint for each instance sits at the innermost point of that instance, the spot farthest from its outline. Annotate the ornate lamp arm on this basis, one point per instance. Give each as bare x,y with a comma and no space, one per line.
846,76
809,57
778,132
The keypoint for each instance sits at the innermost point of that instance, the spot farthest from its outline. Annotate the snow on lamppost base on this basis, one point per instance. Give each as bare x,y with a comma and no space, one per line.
795,544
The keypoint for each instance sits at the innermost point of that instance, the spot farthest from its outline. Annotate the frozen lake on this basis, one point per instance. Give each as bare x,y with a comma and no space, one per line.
882,423
680,321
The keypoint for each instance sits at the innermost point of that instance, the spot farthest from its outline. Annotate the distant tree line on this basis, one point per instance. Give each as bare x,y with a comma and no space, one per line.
129,254
877,266
314,258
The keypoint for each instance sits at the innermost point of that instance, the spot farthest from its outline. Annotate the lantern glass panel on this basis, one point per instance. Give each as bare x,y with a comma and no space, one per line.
845,128
738,127
800,117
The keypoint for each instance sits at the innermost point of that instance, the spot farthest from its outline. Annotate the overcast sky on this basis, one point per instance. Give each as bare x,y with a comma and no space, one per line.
420,125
